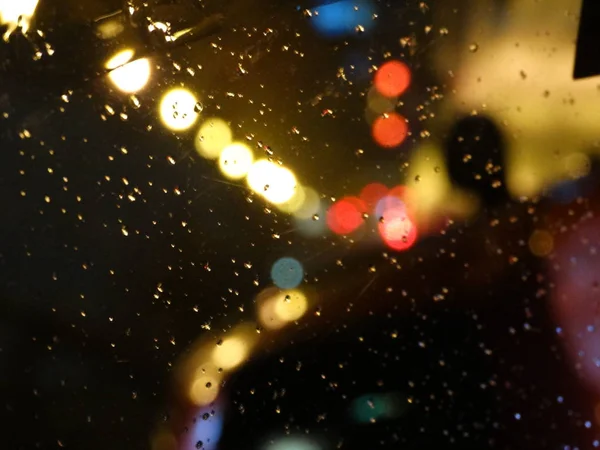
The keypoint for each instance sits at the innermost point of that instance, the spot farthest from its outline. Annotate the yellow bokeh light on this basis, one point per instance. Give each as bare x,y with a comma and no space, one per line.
235,160
273,182
178,109
204,389
577,165
294,203
265,302
119,59
541,243
214,135
290,305
311,204
132,77
17,13
230,353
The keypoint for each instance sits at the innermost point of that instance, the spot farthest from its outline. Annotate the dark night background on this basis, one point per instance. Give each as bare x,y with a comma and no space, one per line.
102,293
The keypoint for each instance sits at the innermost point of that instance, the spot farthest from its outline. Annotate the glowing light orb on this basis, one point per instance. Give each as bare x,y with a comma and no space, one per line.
392,79
310,206
203,430
396,227
212,138
119,59
131,77
265,302
274,183
177,109
346,215
295,203
204,389
235,161
231,353
287,273
372,193
290,306
541,243
389,130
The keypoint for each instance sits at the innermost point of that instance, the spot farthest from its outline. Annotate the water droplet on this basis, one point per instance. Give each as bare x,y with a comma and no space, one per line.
315,217
473,47
199,444
205,416
198,108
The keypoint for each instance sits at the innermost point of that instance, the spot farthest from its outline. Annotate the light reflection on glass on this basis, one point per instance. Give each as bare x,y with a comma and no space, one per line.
346,215
235,161
230,353
205,387
213,136
277,308
392,79
119,59
131,77
287,273
389,130
178,109
274,183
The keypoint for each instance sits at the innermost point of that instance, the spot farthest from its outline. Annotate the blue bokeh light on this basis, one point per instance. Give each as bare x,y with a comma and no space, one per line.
343,17
287,273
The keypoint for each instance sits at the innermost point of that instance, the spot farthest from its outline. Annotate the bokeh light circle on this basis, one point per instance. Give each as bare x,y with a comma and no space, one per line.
290,305
119,59
389,130
372,193
131,77
287,273
311,204
274,183
212,138
396,226
235,160
230,353
392,78
177,109
346,215
205,389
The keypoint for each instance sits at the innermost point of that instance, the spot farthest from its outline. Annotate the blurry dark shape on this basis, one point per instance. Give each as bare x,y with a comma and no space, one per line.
475,159
587,54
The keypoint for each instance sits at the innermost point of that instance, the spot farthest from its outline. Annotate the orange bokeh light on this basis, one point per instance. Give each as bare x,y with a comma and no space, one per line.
346,215
390,130
372,193
392,78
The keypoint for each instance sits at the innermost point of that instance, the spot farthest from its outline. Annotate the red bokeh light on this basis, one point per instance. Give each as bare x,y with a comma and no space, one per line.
346,215
389,130
372,193
392,79
397,229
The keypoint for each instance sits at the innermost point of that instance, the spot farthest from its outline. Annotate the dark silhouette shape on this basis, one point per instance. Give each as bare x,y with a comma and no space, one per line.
475,158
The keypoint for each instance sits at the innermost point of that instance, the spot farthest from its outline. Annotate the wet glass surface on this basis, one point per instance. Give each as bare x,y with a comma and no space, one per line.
306,225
